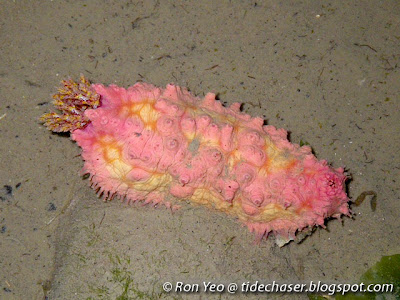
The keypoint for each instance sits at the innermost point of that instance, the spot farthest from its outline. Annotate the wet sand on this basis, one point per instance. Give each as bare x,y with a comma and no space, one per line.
328,72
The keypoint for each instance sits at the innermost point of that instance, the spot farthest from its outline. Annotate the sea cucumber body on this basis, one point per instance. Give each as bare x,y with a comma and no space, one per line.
161,145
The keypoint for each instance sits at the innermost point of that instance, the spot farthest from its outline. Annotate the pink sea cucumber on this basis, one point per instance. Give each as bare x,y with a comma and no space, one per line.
164,145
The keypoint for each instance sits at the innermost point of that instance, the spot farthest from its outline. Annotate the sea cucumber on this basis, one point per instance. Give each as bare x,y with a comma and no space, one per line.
162,146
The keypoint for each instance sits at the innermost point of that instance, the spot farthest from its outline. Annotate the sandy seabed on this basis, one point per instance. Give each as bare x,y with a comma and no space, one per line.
328,72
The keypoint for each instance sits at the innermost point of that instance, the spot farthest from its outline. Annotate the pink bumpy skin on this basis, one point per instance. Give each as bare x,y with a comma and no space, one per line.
163,145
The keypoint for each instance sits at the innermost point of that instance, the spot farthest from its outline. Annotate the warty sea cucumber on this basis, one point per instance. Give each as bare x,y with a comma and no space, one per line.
162,145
